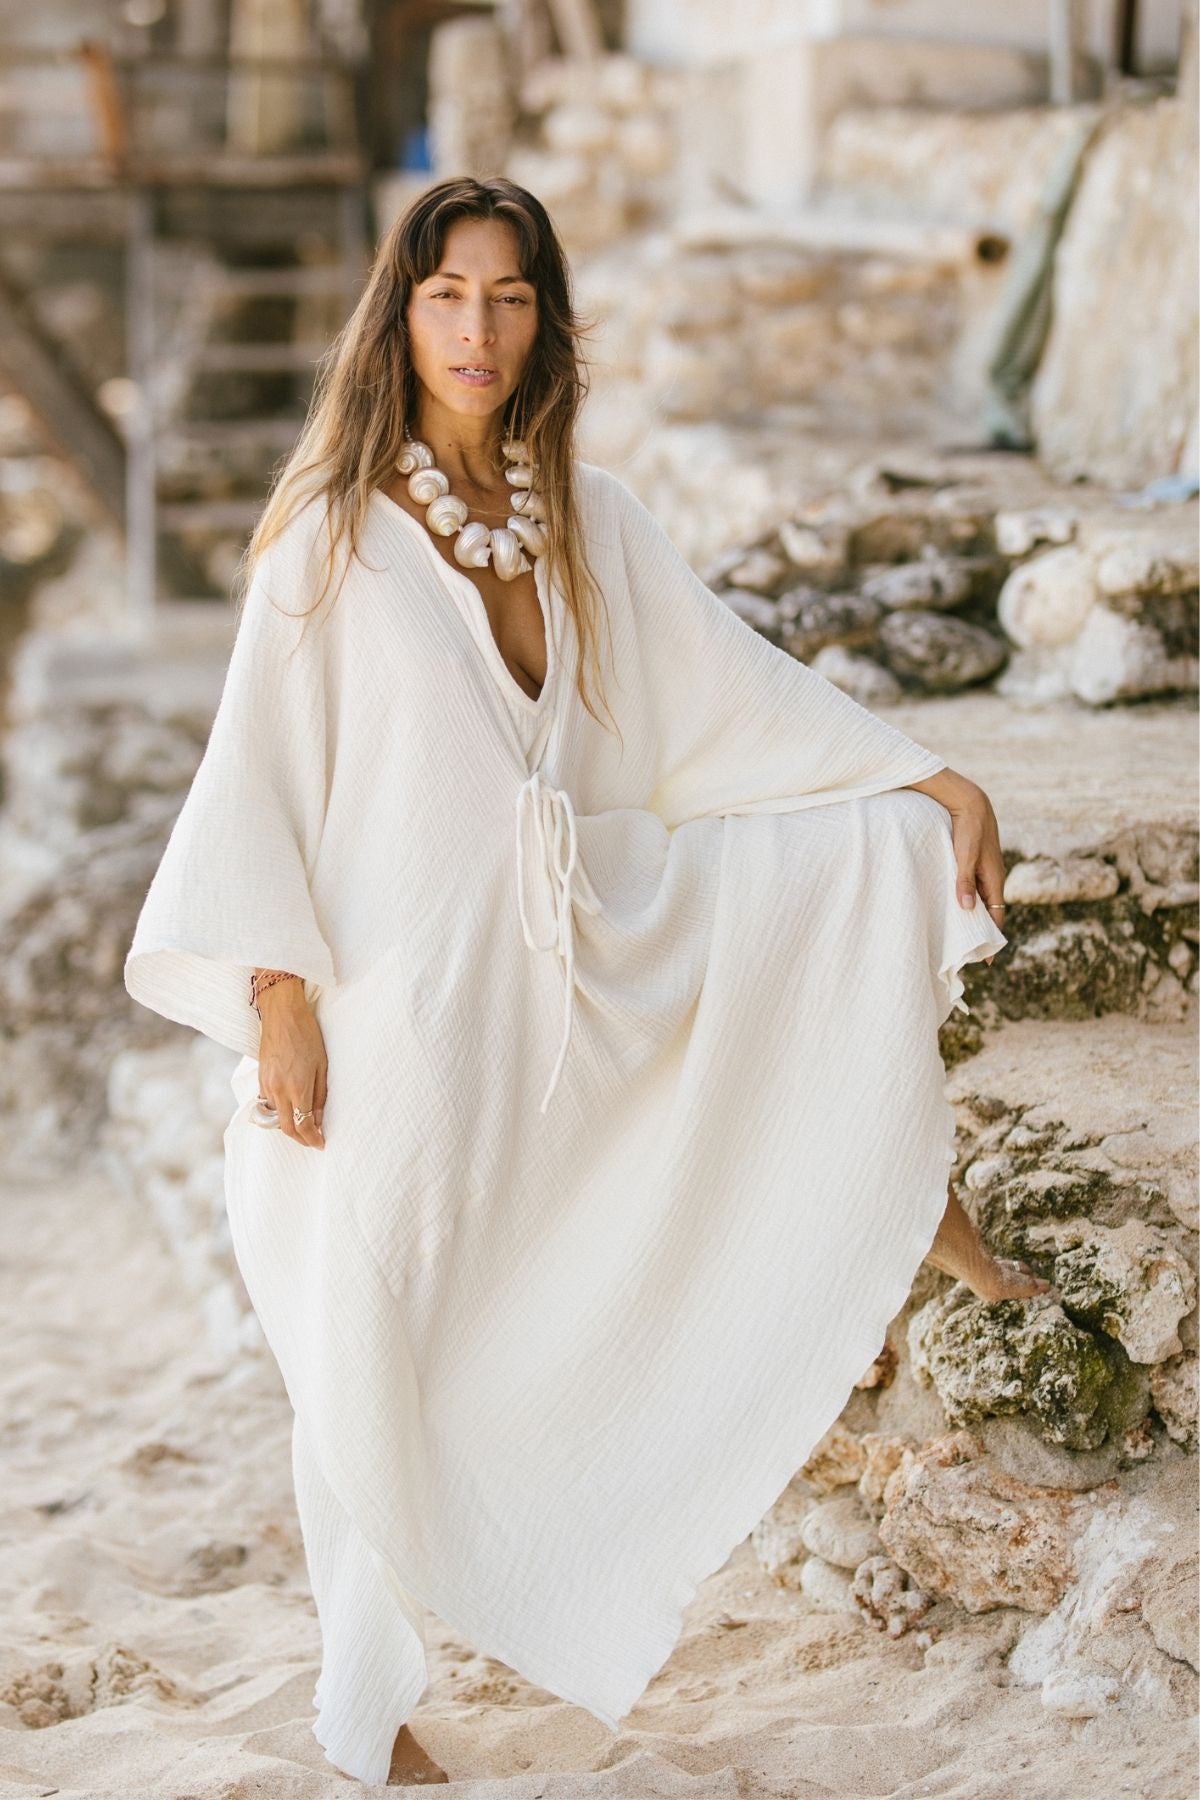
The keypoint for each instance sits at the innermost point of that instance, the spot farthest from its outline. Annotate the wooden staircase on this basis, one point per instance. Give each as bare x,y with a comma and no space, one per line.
241,260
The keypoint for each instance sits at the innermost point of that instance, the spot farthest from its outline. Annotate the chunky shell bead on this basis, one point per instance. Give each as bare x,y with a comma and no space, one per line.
415,455
427,485
473,546
508,559
529,504
515,449
519,476
446,514
529,534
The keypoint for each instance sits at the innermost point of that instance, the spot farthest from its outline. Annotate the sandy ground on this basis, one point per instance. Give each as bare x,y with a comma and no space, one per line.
160,1640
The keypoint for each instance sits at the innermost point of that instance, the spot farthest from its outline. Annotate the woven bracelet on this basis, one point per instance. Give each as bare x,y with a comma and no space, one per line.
258,984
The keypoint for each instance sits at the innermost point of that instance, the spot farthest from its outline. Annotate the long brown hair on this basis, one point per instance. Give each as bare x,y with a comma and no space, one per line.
365,398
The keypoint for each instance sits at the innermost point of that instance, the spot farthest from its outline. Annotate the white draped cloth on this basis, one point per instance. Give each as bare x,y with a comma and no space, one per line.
636,1132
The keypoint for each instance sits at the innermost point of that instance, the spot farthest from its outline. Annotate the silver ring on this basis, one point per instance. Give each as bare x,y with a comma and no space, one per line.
264,1114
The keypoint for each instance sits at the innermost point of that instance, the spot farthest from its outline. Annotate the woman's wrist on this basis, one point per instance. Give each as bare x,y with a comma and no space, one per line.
279,982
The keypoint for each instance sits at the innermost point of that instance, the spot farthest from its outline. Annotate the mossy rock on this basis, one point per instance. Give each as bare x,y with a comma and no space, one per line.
990,1358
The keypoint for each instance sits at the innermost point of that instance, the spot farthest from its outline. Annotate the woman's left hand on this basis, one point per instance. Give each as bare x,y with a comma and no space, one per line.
980,879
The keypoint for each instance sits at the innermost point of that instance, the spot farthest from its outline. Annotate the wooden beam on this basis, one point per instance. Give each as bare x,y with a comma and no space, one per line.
61,402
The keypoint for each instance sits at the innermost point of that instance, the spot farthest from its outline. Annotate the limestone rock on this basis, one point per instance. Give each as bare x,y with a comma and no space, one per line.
1075,969
861,677
1115,403
1045,601
837,1461
964,1529
1036,678
1129,1282
1016,1445
810,620
882,1452
1042,881
827,1588
1125,1628
1093,1118
167,1110
1175,1393
776,1539
941,653
934,581
1019,531
837,1531
886,1597
818,552
1138,564
1025,1356
1072,1696
1120,658
882,1371
760,570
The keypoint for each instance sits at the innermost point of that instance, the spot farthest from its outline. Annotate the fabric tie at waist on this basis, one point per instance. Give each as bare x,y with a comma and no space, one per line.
553,818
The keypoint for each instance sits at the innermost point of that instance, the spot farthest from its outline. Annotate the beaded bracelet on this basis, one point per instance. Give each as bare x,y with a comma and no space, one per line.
259,983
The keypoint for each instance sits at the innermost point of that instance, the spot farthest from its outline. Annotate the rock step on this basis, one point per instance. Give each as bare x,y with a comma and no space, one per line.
1097,816
1076,1151
1110,1101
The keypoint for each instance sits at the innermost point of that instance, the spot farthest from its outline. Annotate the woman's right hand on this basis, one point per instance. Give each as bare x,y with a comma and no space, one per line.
292,1064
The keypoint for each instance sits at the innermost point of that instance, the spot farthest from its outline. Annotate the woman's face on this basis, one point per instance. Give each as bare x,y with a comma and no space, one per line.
476,312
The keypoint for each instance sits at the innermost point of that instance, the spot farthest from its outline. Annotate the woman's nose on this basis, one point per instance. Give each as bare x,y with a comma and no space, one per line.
477,326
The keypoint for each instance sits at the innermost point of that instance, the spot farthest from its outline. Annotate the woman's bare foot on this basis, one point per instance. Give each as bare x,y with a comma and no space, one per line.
959,1250
413,1766
1006,1278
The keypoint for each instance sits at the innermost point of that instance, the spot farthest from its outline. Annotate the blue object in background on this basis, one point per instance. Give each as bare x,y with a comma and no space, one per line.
415,154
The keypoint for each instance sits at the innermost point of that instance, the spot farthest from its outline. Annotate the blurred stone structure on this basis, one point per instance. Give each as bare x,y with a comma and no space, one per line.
807,221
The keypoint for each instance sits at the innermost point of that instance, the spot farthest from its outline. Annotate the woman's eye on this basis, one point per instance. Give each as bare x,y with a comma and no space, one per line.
511,299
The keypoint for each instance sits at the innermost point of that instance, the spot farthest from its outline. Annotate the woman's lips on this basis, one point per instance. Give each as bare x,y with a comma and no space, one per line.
476,377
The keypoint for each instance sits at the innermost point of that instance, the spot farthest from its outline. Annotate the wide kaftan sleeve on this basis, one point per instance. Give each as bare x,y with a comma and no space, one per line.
231,891
743,726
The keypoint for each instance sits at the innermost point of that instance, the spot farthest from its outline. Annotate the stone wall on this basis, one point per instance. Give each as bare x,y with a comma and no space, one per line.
1115,396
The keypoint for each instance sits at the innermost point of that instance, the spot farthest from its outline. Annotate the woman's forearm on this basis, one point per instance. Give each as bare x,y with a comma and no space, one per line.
952,790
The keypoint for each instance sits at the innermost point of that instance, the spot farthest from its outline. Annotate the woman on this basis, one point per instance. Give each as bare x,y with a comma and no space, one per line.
552,1354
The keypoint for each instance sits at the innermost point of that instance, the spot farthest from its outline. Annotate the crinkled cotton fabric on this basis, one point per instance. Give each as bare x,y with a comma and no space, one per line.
636,1130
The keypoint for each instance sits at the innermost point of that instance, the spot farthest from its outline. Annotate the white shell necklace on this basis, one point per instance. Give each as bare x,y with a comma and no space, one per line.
476,544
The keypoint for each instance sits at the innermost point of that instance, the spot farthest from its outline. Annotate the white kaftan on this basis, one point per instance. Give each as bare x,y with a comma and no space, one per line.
636,1131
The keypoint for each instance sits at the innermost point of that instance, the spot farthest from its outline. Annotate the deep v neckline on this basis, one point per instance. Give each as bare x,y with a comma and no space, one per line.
461,584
